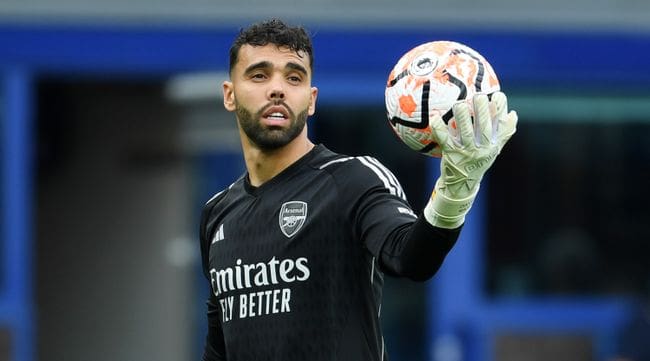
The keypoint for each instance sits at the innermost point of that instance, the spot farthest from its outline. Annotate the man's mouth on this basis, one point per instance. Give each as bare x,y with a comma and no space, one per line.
275,116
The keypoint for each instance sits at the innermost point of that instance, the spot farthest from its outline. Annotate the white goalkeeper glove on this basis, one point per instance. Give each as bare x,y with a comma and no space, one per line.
468,151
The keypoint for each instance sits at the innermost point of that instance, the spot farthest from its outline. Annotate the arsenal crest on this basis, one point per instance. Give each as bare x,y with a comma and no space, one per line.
292,217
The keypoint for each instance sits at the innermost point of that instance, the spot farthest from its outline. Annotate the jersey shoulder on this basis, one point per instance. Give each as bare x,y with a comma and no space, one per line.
223,195
359,173
211,208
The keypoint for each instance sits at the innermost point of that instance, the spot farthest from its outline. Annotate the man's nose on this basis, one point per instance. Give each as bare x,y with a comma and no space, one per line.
276,91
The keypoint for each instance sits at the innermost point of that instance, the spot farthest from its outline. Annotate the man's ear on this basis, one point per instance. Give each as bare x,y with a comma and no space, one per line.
228,96
312,101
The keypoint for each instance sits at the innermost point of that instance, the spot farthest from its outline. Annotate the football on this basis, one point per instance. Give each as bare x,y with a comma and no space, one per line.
427,81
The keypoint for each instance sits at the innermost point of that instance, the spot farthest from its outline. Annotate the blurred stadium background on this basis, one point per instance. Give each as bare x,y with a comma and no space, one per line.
112,136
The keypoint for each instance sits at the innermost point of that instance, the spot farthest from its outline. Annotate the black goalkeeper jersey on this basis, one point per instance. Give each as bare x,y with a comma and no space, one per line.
293,264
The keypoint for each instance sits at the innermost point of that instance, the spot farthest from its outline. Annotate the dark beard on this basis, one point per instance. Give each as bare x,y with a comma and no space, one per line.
270,138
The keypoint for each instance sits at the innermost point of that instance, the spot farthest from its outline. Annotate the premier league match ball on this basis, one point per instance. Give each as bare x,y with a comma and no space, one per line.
427,81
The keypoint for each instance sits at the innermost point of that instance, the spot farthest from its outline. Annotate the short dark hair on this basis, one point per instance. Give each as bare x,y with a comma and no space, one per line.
273,31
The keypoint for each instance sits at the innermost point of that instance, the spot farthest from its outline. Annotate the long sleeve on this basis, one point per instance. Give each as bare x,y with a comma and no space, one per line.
215,349
417,250
373,200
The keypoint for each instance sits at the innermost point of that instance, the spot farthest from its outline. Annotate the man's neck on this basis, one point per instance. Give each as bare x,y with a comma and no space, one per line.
263,165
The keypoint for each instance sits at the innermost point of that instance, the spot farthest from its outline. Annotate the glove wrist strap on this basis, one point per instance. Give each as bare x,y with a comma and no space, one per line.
444,212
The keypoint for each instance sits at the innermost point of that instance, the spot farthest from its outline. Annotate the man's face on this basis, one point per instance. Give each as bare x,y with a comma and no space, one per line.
270,91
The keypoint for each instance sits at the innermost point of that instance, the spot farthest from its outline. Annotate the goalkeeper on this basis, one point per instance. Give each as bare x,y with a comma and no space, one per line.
295,250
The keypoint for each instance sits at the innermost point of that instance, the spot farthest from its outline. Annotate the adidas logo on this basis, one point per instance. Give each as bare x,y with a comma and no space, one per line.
218,236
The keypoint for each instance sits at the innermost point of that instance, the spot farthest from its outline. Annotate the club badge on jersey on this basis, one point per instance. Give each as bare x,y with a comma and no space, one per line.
292,216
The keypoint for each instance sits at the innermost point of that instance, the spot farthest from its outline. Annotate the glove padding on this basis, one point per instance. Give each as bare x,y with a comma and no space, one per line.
468,150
